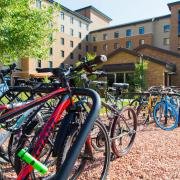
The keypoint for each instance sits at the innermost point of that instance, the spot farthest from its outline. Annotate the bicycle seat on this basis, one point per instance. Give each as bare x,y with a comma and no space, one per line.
100,83
121,85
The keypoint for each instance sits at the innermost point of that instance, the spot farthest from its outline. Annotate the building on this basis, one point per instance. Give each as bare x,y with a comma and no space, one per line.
87,30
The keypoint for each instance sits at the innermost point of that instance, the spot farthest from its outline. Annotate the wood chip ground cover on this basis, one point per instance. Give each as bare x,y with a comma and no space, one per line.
155,155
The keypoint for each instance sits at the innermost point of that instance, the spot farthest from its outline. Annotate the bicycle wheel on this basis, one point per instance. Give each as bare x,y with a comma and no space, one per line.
165,116
141,110
90,160
123,131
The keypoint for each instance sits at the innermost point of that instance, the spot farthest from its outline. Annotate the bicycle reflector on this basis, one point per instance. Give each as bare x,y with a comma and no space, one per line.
25,156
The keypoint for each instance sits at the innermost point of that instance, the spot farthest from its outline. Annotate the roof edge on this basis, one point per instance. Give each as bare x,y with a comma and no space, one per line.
173,3
132,23
168,65
72,12
158,49
96,10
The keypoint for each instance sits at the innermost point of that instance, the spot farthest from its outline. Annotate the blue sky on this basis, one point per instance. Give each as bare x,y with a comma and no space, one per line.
123,11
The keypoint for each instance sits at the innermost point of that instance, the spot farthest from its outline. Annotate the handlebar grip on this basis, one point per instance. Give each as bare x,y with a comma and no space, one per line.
99,59
87,65
18,69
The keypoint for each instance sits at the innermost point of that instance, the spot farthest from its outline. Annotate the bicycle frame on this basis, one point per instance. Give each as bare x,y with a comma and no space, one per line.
54,118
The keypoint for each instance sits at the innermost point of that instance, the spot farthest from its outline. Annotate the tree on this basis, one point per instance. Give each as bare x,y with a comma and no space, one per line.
24,30
140,75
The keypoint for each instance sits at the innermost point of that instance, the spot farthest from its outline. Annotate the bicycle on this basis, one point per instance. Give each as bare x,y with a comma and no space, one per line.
65,103
120,123
166,112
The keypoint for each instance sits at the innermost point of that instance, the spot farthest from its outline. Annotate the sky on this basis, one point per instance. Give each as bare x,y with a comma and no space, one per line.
123,11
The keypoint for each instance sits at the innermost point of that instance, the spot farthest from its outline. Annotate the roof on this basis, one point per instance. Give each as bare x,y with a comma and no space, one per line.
165,63
173,3
119,67
158,49
72,12
96,10
133,23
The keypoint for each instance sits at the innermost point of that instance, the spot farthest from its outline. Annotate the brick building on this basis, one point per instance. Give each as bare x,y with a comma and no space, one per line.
87,30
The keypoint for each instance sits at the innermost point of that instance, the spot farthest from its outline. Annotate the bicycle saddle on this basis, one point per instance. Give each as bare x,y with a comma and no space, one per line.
121,85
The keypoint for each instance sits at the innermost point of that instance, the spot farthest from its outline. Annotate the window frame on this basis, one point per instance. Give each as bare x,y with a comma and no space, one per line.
105,36
115,33
39,62
62,54
71,32
165,41
128,32
141,30
39,4
50,64
127,45
71,44
62,41
62,28
62,15
71,19
166,29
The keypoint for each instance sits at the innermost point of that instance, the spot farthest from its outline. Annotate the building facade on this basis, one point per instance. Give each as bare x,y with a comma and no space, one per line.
87,30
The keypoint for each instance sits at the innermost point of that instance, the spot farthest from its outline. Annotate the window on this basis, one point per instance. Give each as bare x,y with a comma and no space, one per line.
71,32
51,24
71,20
87,38
62,53
79,46
105,47
50,64
116,45
50,37
50,51
79,56
116,35
128,32
128,44
105,36
166,41
80,35
80,23
38,4
87,48
62,28
167,28
141,42
87,27
71,44
94,38
94,48
62,15
72,56
62,41
141,30
39,63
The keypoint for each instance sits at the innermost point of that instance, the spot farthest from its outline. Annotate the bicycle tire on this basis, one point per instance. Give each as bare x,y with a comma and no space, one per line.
83,161
163,125
118,128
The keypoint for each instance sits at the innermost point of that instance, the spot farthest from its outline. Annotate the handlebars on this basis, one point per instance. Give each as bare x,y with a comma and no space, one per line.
9,70
86,65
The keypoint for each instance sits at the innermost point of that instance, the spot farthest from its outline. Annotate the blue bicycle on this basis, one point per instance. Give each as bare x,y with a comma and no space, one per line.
166,112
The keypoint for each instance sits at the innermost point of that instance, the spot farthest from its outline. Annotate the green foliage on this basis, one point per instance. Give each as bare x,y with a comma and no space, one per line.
46,80
77,79
140,75
24,30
